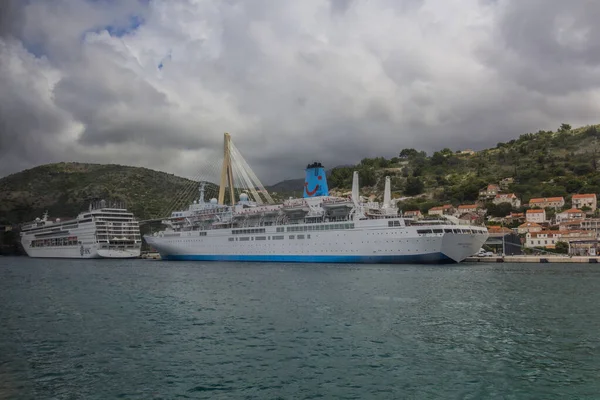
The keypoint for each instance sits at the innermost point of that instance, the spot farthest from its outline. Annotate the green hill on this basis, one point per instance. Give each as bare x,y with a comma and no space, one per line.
542,164
65,189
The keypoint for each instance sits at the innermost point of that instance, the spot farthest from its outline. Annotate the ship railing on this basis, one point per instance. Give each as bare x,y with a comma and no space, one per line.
295,203
336,200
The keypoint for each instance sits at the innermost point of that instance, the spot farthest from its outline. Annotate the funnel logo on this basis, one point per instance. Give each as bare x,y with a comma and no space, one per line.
315,183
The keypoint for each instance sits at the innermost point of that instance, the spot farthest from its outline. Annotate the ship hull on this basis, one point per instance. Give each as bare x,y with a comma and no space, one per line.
432,258
81,252
366,242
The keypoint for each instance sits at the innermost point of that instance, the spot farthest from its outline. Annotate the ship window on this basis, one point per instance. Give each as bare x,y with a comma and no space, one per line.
448,230
423,231
279,229
245,239
278,237
260,238
291,236
300,236
231,239
202,233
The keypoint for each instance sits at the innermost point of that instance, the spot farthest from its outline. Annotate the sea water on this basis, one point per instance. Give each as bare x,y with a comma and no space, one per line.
140,329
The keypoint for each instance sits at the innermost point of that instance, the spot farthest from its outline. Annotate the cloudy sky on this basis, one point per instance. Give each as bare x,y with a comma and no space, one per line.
155,83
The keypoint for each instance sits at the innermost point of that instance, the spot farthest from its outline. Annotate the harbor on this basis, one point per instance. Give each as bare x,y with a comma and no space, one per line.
555,258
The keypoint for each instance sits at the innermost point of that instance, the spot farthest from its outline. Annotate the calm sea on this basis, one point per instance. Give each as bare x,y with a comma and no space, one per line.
159,330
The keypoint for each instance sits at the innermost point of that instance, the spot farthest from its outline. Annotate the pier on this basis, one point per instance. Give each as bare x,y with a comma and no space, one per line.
557,258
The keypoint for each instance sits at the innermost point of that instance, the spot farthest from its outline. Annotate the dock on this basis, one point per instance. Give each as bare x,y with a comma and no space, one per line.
150,256
536,259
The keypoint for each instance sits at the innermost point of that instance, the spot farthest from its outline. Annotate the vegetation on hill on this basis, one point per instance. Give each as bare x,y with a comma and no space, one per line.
543,164
65,189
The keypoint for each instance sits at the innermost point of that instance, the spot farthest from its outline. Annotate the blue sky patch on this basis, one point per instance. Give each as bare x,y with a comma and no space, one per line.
132,24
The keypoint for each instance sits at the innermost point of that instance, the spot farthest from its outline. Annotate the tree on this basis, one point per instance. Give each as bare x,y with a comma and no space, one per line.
561,247
367,177
498,210
414,186
564,128
438,158
406,153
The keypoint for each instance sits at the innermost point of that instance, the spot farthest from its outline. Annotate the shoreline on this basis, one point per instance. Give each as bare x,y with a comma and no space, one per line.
535,259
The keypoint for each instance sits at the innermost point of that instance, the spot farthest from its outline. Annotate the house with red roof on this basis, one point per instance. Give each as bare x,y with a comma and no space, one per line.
511,198
584,200
570,215
545,202
529,227
538,216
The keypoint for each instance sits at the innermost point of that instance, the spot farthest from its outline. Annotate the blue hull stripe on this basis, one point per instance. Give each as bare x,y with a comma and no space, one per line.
433,258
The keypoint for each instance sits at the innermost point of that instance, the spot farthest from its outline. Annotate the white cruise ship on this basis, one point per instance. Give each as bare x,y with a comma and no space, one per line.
315,228
104,231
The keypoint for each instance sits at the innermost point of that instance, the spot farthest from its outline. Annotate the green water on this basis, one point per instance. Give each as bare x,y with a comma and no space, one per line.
158,330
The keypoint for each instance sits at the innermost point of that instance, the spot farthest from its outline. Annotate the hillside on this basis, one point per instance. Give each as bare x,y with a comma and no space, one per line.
558,163
545,163
65,189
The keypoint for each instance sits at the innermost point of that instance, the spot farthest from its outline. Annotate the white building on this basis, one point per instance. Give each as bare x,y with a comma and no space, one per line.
570,215
537,216
507,198
529,227
555,202
584,200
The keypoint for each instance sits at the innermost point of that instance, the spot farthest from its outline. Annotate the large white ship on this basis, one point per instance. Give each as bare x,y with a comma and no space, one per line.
104,231
315,228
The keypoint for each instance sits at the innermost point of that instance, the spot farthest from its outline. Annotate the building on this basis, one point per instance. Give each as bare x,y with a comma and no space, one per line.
590,224
514,217
504,241
416,214
570,225
584,200
554,202
466,152
507,198
467,208
490,192
570,215
506,182
469,217
446,209
529,227
548,239
537,216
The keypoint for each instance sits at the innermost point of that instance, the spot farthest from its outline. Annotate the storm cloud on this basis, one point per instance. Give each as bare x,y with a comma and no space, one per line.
156,83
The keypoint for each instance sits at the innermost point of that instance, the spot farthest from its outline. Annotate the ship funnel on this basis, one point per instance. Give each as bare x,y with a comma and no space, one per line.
315,181
387,193
355,192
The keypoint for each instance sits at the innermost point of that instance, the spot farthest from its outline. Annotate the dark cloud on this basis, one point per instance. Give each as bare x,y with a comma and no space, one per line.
157,83
11,14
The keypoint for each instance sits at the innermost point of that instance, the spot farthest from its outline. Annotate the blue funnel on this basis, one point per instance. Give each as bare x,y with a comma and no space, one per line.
315,182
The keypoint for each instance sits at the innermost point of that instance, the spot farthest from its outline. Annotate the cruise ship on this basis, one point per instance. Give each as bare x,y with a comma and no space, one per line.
317,228
103,231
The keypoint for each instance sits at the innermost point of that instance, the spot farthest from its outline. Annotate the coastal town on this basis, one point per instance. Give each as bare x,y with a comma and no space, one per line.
546,224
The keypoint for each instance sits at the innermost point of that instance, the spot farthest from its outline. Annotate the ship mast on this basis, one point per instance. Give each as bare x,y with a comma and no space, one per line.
226,172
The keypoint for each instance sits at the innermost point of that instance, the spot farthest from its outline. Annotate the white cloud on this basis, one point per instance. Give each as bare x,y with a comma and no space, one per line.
293,81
